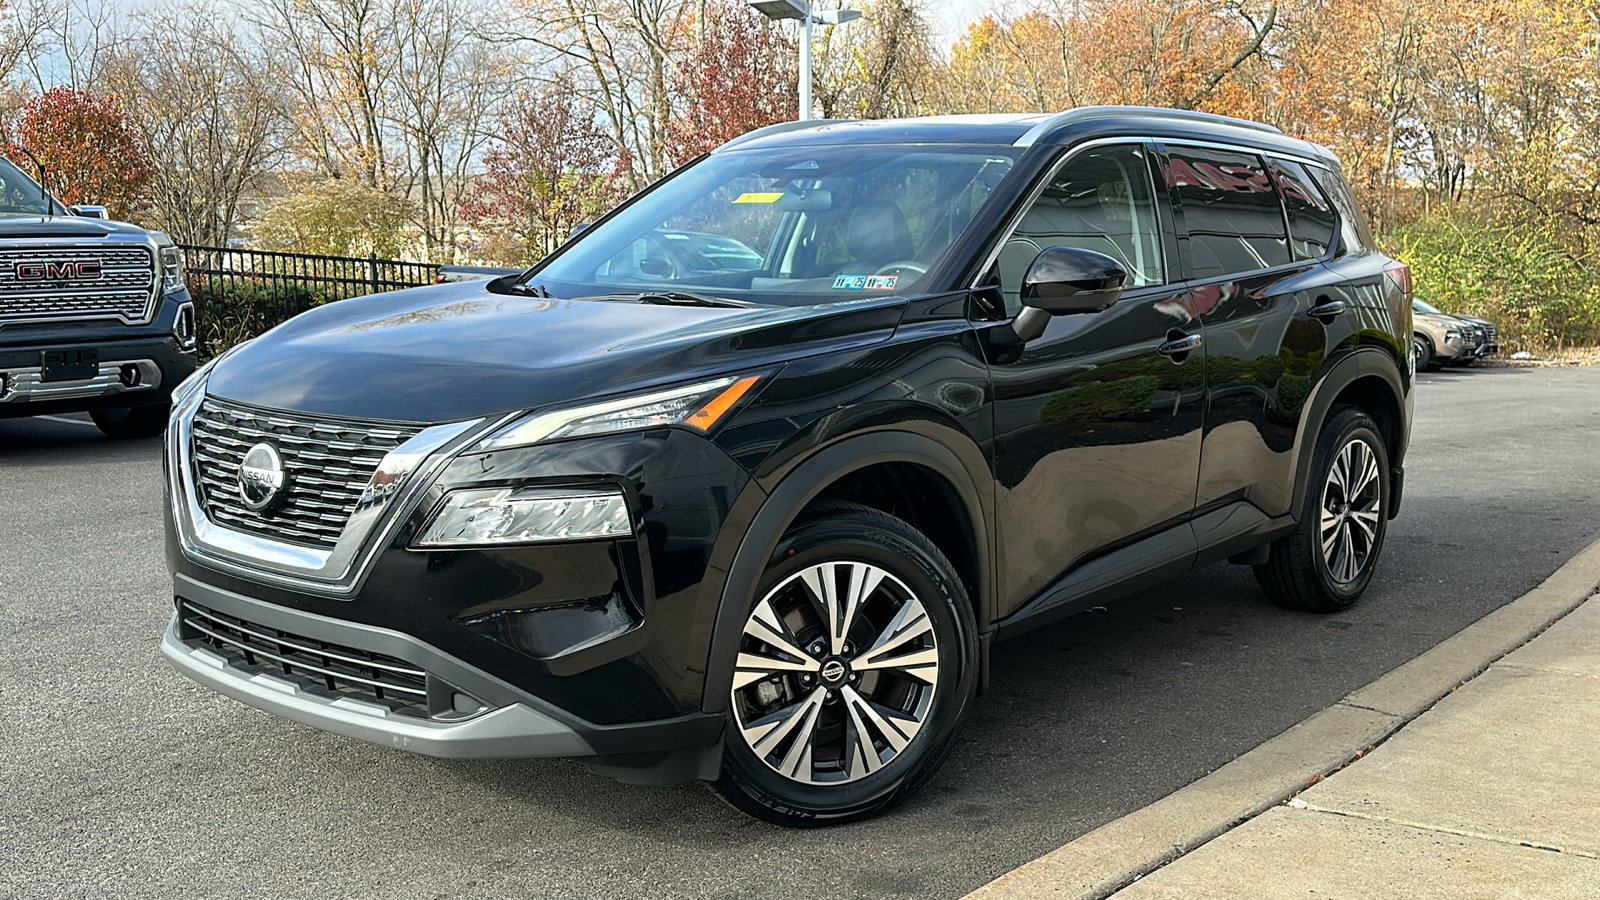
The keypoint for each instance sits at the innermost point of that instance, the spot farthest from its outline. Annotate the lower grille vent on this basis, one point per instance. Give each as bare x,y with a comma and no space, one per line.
330,669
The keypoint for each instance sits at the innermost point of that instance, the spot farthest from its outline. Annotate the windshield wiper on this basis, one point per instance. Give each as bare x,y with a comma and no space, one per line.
685,298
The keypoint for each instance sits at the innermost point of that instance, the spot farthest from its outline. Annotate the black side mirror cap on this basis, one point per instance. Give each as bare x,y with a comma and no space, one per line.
1064,281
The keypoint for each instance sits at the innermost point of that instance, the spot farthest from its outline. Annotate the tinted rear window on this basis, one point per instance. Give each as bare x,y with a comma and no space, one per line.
1230,210
1312,222
1353,231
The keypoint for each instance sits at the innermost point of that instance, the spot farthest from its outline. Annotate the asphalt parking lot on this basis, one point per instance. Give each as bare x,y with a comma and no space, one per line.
121,779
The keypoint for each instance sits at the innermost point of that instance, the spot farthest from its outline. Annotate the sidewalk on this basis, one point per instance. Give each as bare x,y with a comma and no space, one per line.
1487,790
1494,793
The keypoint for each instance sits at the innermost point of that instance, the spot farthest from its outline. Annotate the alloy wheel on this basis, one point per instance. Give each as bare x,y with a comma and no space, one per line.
1351,502
836,674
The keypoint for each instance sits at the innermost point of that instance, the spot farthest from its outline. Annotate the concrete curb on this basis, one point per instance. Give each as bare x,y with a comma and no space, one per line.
1116,854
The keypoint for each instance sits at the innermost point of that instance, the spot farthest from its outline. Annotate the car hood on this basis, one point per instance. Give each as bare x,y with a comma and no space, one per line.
17,226
458,351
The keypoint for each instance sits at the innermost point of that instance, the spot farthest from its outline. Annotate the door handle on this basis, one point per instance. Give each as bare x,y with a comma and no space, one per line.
1326,311
1180,346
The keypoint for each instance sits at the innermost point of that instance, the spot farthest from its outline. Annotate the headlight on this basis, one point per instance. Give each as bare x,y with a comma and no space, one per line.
495,516
196,381
699,406
171,270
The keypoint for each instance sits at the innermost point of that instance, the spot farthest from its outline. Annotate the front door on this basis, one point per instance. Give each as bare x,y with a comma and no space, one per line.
1097,432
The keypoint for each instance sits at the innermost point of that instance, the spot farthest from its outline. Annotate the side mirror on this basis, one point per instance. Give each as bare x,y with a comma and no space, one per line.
656,267
1066,280
90,211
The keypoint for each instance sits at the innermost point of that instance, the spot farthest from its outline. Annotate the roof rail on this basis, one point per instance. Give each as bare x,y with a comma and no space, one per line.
1097,112
779,128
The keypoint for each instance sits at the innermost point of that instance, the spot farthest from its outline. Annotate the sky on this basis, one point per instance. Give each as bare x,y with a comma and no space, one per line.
951,17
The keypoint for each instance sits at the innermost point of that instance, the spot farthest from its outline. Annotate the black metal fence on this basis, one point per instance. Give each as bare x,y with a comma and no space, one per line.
239,294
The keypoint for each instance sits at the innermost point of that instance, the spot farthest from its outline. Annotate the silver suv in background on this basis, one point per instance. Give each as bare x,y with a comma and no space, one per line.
1441,339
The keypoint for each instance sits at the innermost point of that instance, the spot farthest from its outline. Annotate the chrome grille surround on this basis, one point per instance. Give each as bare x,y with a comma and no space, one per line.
126,288
394,489
332,670
329,464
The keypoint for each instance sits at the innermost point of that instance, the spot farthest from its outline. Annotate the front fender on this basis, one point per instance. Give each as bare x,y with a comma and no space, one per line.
778,496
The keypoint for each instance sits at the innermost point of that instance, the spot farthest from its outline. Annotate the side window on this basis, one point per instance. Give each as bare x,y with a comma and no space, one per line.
1231,212
1100,200
1312,223
1357,239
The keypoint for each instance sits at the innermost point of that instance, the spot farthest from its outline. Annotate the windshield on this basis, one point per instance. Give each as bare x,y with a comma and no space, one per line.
789,226
21,195
1426,309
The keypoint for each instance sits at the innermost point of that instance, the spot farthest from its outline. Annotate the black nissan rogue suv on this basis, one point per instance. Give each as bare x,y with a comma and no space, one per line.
743,482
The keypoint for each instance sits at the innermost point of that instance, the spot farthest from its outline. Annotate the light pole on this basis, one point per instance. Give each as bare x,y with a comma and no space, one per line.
778,10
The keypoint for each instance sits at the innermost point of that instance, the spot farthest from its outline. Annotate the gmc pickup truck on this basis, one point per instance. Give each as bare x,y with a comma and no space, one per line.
94,315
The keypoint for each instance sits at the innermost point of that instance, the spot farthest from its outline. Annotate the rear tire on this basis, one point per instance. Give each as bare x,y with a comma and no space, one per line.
1325,564
856,668
133,422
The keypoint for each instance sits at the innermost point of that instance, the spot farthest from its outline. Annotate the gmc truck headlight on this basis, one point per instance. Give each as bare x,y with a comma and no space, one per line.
698,406
487,517
171,270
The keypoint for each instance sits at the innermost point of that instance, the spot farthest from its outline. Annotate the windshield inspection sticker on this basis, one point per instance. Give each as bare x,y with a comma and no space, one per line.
865,282
758,197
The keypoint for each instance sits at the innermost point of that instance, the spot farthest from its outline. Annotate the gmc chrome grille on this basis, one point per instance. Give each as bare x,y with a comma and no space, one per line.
337,670
77,283
328,463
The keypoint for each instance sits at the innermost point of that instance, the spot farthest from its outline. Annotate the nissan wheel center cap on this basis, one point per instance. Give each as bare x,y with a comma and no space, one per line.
261,476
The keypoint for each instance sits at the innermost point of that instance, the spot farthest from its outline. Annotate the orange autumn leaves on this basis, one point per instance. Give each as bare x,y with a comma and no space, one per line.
1441,95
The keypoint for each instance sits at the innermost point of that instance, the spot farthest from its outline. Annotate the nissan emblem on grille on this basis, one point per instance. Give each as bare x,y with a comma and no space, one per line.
261,476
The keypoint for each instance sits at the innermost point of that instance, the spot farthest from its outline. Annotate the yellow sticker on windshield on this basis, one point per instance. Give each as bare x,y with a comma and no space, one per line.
756,197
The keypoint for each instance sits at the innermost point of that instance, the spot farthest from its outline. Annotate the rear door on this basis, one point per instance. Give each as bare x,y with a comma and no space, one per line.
1258,287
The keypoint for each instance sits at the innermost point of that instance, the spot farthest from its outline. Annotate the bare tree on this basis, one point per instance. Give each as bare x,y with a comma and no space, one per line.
448,81
884,65
626,52
203,98
56,42
338,62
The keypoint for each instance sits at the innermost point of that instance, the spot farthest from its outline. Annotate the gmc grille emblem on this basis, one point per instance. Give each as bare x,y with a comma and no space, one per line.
65,270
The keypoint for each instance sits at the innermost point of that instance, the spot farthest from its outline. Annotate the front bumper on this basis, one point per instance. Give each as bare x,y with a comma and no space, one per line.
131,373
507,728
508,723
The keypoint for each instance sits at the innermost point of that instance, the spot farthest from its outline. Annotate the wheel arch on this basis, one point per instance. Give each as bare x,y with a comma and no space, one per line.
830,473
1368,379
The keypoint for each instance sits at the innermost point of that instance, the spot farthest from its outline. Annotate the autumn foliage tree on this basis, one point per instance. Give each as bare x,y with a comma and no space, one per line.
84,148
551,168
738,77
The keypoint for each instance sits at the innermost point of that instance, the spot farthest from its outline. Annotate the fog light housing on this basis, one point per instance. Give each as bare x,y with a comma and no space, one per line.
493,517
183,327
549,632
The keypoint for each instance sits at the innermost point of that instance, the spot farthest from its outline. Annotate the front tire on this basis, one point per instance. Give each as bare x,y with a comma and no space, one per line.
1325,564
133,422
1422,350
856,667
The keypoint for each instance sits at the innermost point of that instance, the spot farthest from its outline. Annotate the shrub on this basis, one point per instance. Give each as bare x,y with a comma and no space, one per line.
1518,275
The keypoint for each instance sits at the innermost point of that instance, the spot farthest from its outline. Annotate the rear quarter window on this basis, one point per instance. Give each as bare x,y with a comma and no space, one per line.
1354,235
1230,209
1312,221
